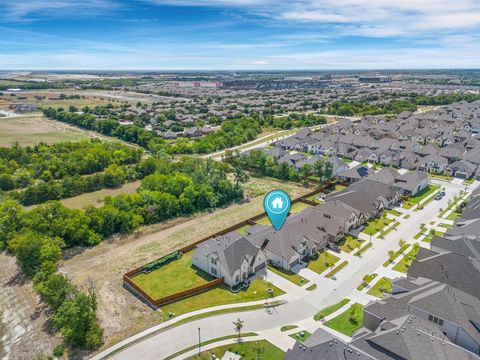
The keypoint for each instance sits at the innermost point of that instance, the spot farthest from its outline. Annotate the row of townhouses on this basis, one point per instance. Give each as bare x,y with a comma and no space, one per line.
434,313
235,257
441,141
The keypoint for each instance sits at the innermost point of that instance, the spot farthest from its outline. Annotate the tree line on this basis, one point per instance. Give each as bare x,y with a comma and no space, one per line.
22,166
259,163
168,189
409,103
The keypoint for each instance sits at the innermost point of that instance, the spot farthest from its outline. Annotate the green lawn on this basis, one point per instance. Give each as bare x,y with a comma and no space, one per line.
177,276
337,269
376,225
396,254
349,243
221,295
452,205
407,216
363,249
429,237
383,286
330,310
248,350
366,280
393,212
289,275
298,336
315,198
324,261
311,287
414,200
441,177
453,215
349,321
405,263
298,206
469,181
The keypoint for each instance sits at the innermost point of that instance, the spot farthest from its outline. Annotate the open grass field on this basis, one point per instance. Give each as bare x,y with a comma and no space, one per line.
248,350
325,260
34,128
349,321
289,275
221,295
177,276
382,287
96,198
330,309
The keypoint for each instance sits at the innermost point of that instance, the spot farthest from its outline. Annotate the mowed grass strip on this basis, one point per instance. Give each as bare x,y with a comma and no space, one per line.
407,260
172,278
414,200
337,269
248,350
221,295
349,321
330,309
323,262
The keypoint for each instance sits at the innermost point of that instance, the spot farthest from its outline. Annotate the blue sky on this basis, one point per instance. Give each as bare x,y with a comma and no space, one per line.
239,34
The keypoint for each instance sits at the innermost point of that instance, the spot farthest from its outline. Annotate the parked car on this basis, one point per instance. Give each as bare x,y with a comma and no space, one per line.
438,197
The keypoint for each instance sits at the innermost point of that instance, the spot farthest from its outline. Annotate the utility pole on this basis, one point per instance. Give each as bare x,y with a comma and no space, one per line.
199,343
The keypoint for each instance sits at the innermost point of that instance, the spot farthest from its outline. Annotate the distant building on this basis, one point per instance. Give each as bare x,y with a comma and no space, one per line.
374,79
26,108
204,84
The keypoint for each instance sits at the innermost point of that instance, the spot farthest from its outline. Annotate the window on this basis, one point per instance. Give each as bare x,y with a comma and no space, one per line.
214,261
214,271
435,320
327,216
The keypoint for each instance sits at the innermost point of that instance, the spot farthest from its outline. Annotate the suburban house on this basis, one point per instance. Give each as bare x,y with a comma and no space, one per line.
462,169
451,312
354,174
230,256
295,242
433,164
411,183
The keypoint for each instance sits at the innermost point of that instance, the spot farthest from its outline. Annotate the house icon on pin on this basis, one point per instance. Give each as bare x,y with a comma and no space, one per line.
277,203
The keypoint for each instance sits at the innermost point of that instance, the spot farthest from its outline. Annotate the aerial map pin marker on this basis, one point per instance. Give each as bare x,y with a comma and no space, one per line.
277,204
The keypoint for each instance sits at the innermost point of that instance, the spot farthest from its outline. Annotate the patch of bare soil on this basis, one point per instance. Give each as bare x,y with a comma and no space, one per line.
25,331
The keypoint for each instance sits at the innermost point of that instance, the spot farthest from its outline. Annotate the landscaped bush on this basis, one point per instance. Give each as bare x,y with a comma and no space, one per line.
157,264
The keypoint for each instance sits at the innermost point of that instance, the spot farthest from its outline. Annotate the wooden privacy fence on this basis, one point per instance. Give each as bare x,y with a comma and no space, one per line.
139,292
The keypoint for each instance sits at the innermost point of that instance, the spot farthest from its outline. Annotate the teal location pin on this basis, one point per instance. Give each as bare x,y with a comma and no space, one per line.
277,204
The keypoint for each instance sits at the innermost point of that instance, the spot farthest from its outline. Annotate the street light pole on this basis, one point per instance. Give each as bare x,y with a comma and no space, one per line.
199,343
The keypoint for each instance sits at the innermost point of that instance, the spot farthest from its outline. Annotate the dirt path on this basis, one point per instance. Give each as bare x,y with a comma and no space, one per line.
24,328
103,266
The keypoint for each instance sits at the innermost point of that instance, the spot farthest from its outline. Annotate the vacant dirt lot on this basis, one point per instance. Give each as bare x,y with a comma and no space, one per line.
24,328
102,266
34,128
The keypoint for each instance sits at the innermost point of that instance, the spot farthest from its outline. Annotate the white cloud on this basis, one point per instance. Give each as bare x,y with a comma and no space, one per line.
17,10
